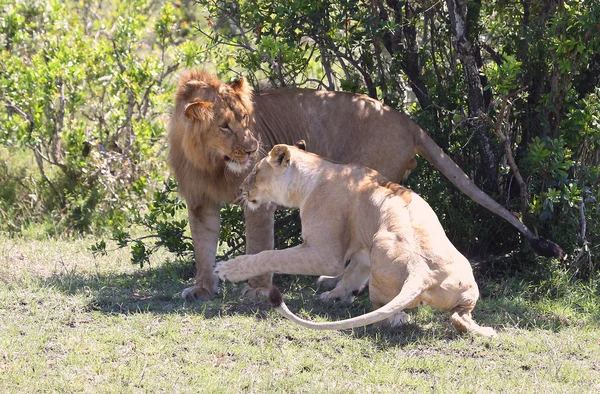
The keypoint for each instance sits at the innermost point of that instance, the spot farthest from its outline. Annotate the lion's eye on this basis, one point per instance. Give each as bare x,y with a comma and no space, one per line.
225,129
245,120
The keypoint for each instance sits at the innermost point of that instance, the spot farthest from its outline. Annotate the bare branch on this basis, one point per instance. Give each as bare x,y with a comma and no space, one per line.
503,115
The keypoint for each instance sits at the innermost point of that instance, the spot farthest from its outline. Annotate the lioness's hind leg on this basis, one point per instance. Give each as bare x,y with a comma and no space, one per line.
353,280
329,282
463,322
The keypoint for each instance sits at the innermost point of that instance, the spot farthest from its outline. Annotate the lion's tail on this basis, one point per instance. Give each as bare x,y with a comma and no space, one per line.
427,148
397,304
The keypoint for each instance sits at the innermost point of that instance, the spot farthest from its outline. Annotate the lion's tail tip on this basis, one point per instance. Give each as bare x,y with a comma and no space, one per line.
546,248
275,297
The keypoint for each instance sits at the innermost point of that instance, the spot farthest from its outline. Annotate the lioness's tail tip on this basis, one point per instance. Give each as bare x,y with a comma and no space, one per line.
275,297
546,248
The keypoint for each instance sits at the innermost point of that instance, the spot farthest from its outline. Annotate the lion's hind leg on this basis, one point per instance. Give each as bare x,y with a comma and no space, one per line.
463,322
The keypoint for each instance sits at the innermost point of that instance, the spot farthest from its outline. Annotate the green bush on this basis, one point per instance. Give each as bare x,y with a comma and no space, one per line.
86,90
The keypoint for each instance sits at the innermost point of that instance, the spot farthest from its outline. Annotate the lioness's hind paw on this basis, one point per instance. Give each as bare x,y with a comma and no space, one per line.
487,332
398,319
249,291
328,282
332,295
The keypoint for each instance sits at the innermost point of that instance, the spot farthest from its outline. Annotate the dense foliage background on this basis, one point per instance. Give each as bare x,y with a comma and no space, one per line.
509,89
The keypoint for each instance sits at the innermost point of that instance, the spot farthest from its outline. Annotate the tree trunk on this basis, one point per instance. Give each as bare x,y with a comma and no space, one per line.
468,54
403,42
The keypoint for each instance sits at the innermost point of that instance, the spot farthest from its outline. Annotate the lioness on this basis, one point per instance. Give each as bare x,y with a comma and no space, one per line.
215,132
347,210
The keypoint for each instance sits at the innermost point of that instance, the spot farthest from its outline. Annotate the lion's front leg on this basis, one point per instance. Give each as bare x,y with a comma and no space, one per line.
204,224
259,237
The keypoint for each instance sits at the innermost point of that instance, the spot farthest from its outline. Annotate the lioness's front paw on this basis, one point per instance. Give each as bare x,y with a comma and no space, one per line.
233,270
202,290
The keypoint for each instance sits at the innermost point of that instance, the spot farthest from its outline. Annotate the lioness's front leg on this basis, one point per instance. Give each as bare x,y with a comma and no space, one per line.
299,260
259,237
204,224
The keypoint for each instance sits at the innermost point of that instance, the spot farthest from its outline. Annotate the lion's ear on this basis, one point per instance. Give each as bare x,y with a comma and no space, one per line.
240,86
280,156
300,145
198,109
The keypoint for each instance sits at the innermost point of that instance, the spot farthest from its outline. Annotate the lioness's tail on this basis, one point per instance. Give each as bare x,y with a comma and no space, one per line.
397,304
427,148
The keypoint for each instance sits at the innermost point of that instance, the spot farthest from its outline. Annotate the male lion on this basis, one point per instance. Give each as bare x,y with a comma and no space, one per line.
347,210
215,132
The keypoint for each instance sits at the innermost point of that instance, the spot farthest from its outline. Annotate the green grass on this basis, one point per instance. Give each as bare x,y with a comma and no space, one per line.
70,322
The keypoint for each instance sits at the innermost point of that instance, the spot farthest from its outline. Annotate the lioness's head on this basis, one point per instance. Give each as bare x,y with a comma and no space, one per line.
210,122
270,179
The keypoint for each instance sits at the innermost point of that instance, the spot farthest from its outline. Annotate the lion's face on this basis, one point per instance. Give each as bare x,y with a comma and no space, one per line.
232,141
269,179
215,123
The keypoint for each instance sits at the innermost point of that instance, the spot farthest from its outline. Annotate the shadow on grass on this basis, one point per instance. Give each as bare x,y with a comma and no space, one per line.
157,290
152,290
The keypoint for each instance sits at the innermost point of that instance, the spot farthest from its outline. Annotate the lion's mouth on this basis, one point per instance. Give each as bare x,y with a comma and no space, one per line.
236,166
237,161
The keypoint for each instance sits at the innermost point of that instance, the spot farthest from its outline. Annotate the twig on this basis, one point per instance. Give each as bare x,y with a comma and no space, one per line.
585,248
583,221
502,115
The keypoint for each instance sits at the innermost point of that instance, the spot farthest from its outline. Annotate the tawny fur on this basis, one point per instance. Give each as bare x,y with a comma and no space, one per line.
349,209
210,162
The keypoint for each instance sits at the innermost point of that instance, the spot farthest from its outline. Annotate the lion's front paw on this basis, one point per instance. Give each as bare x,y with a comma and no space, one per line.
203,289
233,270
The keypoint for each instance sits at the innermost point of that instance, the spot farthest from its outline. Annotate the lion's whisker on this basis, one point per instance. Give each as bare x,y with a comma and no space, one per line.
239,200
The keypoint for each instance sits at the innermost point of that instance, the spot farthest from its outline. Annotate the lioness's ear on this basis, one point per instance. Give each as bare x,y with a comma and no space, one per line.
280,156
198,109
301,144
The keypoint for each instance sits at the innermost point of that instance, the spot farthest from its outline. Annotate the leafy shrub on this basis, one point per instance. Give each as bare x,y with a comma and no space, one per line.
85,89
